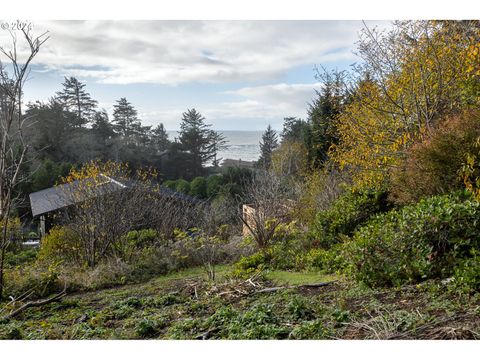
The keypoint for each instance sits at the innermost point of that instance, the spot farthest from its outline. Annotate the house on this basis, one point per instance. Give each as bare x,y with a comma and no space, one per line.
248,213
238,163
45,203
251,217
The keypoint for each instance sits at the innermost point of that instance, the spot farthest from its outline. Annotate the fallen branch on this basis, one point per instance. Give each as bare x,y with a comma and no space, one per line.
36,303
276,288
206,334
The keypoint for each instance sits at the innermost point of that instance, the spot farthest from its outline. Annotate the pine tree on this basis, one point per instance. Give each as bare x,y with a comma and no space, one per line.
294,129
101,127
267,145
217,143
322,115
50,128
159,138
75,99
197,139
126,122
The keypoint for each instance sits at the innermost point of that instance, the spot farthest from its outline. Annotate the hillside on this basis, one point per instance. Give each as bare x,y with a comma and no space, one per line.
185,306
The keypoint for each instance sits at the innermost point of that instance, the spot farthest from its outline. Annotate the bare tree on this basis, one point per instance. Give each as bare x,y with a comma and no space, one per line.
107,201
14,69
429,91
269,202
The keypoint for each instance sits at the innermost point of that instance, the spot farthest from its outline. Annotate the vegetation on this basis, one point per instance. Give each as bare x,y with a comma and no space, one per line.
184,306
417,242
267,145
362,220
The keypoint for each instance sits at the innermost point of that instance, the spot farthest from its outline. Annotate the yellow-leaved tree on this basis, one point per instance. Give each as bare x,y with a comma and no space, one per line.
411,77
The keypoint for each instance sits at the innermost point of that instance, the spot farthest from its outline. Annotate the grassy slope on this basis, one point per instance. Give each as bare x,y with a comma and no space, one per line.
185,306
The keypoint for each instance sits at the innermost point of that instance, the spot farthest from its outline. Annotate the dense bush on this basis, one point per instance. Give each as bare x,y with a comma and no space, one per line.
247,265
60,244
433,166
214,183
467,273
134,242
330,261
286,252
183,186
171,184
348,212
22,257
236,180
39,280
417,242
198,187
13,233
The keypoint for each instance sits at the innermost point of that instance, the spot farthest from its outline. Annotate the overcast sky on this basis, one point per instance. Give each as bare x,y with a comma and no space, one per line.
241,75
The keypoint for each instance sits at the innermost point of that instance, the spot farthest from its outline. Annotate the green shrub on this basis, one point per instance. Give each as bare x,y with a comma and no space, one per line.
259,322
41,281
416,242
467,273
286,251
60,244
12,332
331,260
132,244
148,328
183,186
21,257
198,187
171,184
248,265
142,238
310,330
348,212
214,183
300,309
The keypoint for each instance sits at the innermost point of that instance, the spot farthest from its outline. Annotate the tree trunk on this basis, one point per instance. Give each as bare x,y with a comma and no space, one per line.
2,262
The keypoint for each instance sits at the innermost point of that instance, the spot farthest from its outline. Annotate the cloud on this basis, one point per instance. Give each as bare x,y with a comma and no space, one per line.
178,52
254,108
286,99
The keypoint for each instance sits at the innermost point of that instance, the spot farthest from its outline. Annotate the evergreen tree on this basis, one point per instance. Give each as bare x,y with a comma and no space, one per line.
103,132
294,129
159,138
267,145
141,134
322,115
197,139
75,99
101,127
217,143
126,122
50,128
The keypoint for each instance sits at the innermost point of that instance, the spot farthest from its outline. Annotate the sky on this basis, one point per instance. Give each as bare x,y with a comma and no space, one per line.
241,75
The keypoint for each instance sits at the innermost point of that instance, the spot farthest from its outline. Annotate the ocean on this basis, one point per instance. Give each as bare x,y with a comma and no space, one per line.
241,145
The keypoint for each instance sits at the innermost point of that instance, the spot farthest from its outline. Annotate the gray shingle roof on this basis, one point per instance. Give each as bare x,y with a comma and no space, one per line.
61,196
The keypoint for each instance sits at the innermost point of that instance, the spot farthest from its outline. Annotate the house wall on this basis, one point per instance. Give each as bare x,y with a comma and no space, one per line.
248,212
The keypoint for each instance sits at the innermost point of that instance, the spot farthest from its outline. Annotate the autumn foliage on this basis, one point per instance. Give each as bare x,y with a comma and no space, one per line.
411,79
434,166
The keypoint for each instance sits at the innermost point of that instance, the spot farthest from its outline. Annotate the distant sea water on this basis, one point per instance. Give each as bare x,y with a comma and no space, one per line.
241,145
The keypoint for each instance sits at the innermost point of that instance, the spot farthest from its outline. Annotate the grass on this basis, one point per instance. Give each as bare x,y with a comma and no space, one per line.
185,305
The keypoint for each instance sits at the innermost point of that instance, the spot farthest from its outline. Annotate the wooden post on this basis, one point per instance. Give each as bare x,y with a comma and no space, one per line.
42,226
